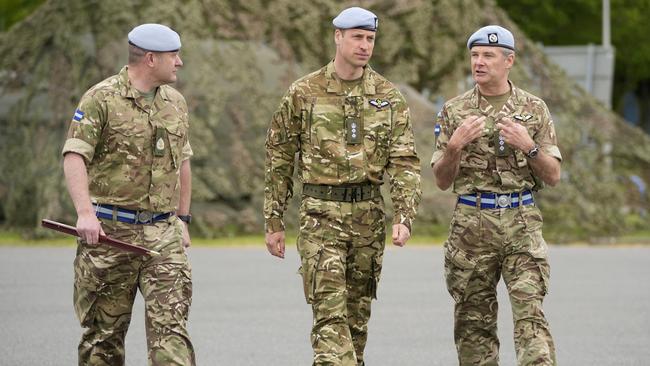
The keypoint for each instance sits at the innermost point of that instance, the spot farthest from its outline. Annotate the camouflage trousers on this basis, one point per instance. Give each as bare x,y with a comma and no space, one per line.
483,246
106,283
341,247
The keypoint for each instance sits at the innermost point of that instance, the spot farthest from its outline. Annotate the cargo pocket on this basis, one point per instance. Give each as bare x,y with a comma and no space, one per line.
545,273
86,289
375,273
459,268
310,260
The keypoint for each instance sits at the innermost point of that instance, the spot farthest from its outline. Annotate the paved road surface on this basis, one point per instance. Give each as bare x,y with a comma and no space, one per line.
249,309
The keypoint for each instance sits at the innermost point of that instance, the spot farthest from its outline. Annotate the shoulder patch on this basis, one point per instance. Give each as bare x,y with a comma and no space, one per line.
379,103
436,130
78,115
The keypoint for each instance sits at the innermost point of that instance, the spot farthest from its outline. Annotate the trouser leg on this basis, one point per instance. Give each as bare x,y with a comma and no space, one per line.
330,336
166,285
526,278
364,264
323,269
475,316
104,291
472,271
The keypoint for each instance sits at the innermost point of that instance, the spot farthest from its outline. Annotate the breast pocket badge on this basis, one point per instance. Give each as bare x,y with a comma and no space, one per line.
379,103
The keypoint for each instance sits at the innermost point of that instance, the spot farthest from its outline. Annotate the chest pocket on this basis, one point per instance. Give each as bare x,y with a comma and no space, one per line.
473,160
531,122
325,130
377,132
128,137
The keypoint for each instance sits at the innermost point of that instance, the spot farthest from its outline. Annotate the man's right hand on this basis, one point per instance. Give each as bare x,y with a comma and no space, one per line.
89,228
468,131
275,243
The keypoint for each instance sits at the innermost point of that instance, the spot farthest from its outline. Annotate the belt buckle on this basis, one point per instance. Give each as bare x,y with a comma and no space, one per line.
145,217
504,200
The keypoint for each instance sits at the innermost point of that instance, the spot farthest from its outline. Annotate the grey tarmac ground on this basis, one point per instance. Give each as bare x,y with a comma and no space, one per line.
249,309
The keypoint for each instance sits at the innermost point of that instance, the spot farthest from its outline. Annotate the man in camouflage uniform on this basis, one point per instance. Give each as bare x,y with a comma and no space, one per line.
349,125
128,138
496,144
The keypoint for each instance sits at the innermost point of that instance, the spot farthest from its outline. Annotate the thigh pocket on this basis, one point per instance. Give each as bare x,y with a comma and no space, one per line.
459,268
86,289
375,275
545,273
310,255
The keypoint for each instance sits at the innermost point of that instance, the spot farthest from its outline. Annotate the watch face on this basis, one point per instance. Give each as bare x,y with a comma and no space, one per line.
533,152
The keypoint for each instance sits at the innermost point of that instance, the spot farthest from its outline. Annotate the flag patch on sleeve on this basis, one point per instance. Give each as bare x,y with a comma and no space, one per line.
78,115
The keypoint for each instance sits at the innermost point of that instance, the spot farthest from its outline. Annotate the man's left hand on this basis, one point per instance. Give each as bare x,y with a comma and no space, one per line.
515,135
401,234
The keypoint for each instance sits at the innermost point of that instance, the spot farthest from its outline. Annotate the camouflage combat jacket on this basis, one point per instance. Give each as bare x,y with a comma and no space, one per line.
341,138
481,170
133,150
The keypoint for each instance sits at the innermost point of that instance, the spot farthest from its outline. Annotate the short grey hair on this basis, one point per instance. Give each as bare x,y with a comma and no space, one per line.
507,52
135,54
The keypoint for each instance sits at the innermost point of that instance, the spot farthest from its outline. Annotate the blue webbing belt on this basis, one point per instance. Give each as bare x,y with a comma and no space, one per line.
129,216
497,200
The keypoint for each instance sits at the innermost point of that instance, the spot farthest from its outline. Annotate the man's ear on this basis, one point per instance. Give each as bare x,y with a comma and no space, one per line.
338,35
510,60
150,59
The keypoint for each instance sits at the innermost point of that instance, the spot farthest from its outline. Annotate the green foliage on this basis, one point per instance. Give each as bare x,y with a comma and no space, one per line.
12,11
577,22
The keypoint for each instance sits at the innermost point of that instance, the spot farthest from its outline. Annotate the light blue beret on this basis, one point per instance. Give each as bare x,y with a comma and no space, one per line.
356,17
155,37
492,35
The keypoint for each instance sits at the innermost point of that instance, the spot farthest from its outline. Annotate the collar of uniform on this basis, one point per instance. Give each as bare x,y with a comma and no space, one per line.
515,96
334,85
125,85
128,91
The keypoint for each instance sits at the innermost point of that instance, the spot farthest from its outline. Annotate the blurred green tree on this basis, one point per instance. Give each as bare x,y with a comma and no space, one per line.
575,22
13,11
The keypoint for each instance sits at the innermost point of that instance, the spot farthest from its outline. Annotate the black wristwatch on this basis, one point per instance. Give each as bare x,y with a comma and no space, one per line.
186,218
532,153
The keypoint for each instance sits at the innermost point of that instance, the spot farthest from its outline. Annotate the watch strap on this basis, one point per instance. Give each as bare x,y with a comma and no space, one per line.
185,218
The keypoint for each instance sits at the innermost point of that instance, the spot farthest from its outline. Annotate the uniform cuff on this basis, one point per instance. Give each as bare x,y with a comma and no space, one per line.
80,147
553,150
437,155
273,225
403,219
187,152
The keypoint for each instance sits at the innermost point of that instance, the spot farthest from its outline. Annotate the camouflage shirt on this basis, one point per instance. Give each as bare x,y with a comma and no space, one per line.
481,170
133,149
341,138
